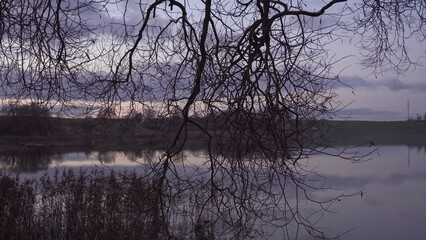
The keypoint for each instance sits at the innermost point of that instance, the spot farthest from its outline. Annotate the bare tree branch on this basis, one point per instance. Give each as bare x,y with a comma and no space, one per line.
252,77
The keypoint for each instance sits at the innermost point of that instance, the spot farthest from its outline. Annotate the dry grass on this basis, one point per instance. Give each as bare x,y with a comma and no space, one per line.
87,205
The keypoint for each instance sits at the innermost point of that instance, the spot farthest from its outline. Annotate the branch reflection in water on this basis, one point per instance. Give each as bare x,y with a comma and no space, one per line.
190,209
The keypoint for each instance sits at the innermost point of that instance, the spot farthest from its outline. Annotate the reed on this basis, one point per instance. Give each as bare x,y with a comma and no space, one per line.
90,204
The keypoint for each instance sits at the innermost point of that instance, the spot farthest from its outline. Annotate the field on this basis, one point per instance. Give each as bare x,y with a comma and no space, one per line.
377,133
122,134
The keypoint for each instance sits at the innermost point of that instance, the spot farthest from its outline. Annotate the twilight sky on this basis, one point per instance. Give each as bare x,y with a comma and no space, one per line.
382,96
362,94
365,95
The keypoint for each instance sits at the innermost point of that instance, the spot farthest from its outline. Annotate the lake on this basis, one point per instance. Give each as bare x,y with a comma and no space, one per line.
389,187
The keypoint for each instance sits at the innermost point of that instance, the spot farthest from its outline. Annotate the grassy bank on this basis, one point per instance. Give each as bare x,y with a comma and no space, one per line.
377,133
122,134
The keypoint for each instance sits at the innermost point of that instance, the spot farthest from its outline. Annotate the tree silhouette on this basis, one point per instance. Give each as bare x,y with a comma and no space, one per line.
108,112
27,119
259,70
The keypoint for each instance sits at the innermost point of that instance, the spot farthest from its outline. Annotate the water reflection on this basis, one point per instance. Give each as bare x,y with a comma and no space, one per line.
394,193
392,183
419,148
31,160
36,159
107,157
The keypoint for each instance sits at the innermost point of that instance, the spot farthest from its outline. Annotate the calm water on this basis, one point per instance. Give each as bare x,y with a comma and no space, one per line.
392,182
393,205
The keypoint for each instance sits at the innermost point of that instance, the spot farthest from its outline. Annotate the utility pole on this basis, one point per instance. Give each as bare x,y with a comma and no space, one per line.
408,110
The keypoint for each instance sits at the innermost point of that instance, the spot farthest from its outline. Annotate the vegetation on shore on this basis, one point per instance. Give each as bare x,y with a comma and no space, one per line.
85,205
354,133
17,133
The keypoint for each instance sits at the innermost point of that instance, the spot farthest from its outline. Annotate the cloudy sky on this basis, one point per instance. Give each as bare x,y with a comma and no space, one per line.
367,95
363,93
382,96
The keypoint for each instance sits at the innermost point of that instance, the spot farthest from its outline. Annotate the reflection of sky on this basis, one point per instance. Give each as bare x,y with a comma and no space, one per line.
393,182
394,193
116,160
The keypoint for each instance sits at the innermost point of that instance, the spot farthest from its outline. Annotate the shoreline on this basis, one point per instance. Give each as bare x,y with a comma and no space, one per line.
341,133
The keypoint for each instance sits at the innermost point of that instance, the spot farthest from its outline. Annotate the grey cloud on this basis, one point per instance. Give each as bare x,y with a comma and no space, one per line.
355,82
366,111
359,83
396,85
370,114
